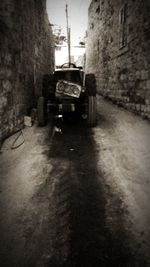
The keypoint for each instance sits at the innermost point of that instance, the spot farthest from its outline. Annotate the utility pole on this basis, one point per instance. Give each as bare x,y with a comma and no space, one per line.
68,36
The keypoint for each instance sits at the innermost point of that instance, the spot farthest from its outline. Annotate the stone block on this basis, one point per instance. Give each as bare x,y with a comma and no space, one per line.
142,107
144,75
8,59
148,85
148,108
7,86
3,101
147,101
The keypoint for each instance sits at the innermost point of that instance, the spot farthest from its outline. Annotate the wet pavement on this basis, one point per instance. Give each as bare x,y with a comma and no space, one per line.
72,196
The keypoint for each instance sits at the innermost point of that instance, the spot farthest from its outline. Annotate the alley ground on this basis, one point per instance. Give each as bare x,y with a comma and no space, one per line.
73,196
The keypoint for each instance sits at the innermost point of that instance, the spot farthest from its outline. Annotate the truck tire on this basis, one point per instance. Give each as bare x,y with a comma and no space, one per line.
90,84
92,111
41,111
48,86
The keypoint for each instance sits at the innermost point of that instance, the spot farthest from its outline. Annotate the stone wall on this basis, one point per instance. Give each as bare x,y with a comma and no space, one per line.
92,46
119,46
26,54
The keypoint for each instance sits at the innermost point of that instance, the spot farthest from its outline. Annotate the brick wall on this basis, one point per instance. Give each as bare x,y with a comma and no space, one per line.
26,54
119,46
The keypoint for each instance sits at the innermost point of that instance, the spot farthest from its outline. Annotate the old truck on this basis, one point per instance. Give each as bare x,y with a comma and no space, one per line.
68,90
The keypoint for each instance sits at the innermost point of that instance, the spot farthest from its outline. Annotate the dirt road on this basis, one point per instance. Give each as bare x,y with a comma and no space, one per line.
77,197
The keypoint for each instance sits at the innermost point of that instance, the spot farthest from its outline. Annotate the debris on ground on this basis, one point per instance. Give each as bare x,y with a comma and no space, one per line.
28,121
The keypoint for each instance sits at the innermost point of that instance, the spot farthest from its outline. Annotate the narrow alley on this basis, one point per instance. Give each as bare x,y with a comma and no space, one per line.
75,196
74,133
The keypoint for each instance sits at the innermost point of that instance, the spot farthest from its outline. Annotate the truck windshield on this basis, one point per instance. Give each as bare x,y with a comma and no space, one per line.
70,76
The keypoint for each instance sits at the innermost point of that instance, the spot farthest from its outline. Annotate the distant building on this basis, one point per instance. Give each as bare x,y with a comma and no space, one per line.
77,55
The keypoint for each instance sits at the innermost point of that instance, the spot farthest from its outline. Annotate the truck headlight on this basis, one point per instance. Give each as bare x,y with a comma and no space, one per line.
75,91
67,89
60,87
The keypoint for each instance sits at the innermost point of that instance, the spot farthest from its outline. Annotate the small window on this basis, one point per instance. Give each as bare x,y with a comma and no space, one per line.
123,26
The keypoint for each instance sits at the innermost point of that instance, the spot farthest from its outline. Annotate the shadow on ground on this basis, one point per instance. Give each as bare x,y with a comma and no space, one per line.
89,240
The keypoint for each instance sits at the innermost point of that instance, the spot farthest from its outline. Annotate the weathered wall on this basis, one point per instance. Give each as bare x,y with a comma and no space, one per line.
92,46
26,53
122,53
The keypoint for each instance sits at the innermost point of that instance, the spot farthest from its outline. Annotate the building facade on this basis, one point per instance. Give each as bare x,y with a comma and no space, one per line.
118,52
26,54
